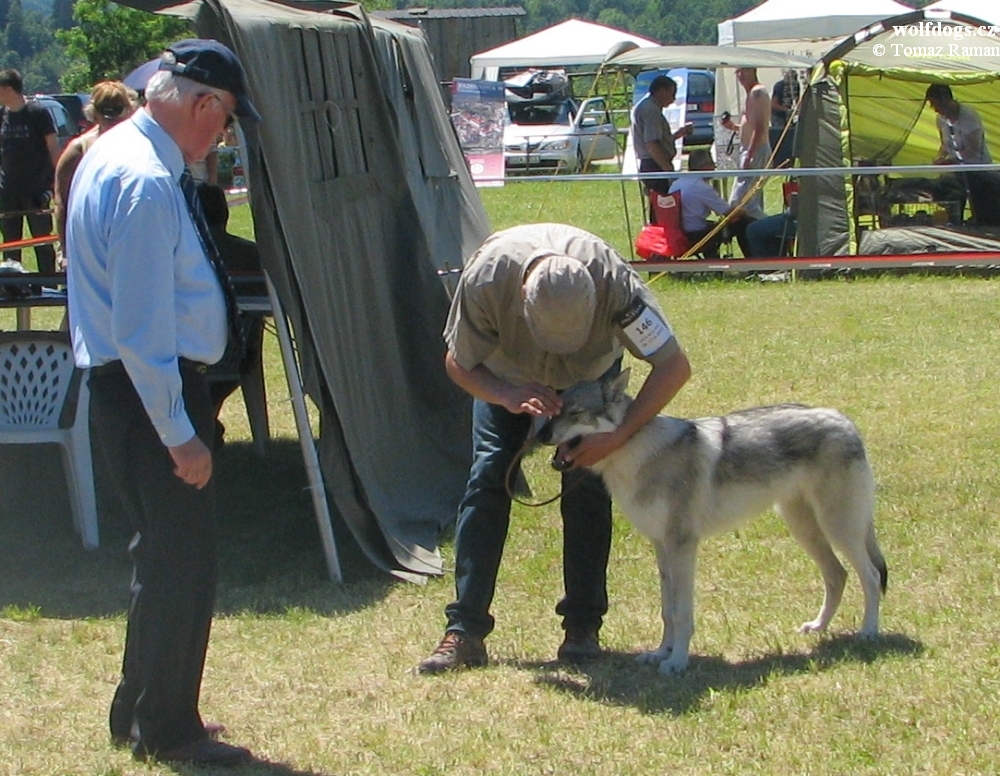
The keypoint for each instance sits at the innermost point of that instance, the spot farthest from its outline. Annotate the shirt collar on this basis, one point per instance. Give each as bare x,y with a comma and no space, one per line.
166,149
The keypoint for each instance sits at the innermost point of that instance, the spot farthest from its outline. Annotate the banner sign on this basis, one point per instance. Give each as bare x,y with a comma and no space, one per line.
479,113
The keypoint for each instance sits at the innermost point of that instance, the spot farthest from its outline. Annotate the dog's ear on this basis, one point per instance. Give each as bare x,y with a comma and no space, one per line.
615,387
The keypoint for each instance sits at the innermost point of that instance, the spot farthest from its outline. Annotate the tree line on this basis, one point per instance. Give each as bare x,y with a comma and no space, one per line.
67,46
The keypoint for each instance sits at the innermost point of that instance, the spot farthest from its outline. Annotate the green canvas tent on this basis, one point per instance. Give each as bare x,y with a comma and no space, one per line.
865,106
361,198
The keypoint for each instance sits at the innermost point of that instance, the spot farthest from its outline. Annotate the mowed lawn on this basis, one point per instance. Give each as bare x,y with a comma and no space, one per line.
317,678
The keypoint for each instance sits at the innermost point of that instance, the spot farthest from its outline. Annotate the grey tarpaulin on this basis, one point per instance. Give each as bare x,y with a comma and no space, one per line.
360,197
927,239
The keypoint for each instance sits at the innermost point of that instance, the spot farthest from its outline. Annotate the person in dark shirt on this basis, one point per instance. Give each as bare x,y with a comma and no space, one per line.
29,149
784,99
240,256
242,260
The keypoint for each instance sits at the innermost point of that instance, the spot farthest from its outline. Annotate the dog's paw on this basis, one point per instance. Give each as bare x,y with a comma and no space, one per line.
813,626
866,635
652,658
671,667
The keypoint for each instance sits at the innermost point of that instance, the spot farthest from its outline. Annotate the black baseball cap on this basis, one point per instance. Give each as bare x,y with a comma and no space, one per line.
209,62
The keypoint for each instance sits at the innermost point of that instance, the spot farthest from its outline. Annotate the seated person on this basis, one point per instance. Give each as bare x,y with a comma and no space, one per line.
964,142
769,236
239,256
698,199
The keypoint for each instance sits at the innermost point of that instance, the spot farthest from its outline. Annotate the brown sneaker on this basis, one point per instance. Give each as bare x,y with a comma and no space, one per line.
579,646
456,650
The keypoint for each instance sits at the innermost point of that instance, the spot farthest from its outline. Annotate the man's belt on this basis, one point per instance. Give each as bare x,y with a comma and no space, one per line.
118,368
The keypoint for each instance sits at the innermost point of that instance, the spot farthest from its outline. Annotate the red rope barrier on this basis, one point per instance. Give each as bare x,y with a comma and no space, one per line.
29,242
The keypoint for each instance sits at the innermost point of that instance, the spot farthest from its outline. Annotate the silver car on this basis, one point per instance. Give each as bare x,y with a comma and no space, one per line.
558,135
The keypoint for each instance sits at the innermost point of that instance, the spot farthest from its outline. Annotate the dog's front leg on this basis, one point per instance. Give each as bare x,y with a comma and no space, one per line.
666,611
680,570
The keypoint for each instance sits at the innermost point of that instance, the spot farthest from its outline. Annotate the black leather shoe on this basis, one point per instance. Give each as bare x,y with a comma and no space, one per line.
204,751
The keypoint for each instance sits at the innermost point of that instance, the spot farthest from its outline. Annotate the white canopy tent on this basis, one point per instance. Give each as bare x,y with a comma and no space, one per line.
572,42
809,29
987,10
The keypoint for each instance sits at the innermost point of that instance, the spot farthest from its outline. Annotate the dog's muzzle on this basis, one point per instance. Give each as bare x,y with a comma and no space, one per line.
560,464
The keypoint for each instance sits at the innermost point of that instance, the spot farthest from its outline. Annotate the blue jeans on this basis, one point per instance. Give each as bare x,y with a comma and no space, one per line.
767,236
484,517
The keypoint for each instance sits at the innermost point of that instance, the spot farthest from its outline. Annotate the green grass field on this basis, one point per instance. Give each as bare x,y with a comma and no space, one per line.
317,678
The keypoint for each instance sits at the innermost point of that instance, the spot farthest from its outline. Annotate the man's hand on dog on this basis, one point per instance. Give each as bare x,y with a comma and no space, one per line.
532,399
586,451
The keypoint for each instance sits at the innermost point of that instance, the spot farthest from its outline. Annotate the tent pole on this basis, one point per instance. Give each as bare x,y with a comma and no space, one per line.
306,441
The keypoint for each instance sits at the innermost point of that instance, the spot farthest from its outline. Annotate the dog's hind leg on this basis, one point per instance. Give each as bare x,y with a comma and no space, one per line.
869,628
667,605
802,524
847,519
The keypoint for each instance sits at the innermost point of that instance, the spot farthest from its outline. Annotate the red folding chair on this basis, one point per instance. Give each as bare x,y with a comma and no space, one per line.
663,239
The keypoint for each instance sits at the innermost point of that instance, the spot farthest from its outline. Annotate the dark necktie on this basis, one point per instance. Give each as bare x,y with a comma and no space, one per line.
190,188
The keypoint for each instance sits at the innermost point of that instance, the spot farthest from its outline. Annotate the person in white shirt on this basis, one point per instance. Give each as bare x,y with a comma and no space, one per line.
699,200
963,141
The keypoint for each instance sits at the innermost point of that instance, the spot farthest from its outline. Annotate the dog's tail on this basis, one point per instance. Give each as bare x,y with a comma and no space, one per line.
875,554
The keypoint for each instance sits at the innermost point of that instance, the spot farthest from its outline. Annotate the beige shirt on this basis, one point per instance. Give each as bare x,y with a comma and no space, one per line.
486,324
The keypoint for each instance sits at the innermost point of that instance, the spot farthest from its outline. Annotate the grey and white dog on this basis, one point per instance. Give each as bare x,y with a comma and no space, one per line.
678,481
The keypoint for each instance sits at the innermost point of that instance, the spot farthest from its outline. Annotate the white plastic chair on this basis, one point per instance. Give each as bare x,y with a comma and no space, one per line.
44,399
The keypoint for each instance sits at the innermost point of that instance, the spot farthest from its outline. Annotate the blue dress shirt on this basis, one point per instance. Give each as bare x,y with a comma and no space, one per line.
140,286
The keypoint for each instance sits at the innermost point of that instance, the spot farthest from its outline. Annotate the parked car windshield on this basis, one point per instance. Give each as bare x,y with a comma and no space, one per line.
533,114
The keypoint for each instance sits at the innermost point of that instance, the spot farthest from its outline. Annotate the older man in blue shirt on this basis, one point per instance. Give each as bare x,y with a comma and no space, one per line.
148,312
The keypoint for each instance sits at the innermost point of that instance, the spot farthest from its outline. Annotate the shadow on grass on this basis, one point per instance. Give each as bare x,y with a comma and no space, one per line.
271,557
254,768
617,679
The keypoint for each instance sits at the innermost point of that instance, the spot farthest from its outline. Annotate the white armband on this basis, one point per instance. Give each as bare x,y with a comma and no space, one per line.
644,328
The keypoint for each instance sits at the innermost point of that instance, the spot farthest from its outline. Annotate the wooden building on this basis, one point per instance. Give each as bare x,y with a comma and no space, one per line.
455,34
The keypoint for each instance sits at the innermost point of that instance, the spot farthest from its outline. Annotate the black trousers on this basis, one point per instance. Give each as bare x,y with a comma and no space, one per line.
737,228
175,557
984,197
660,185
39,224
